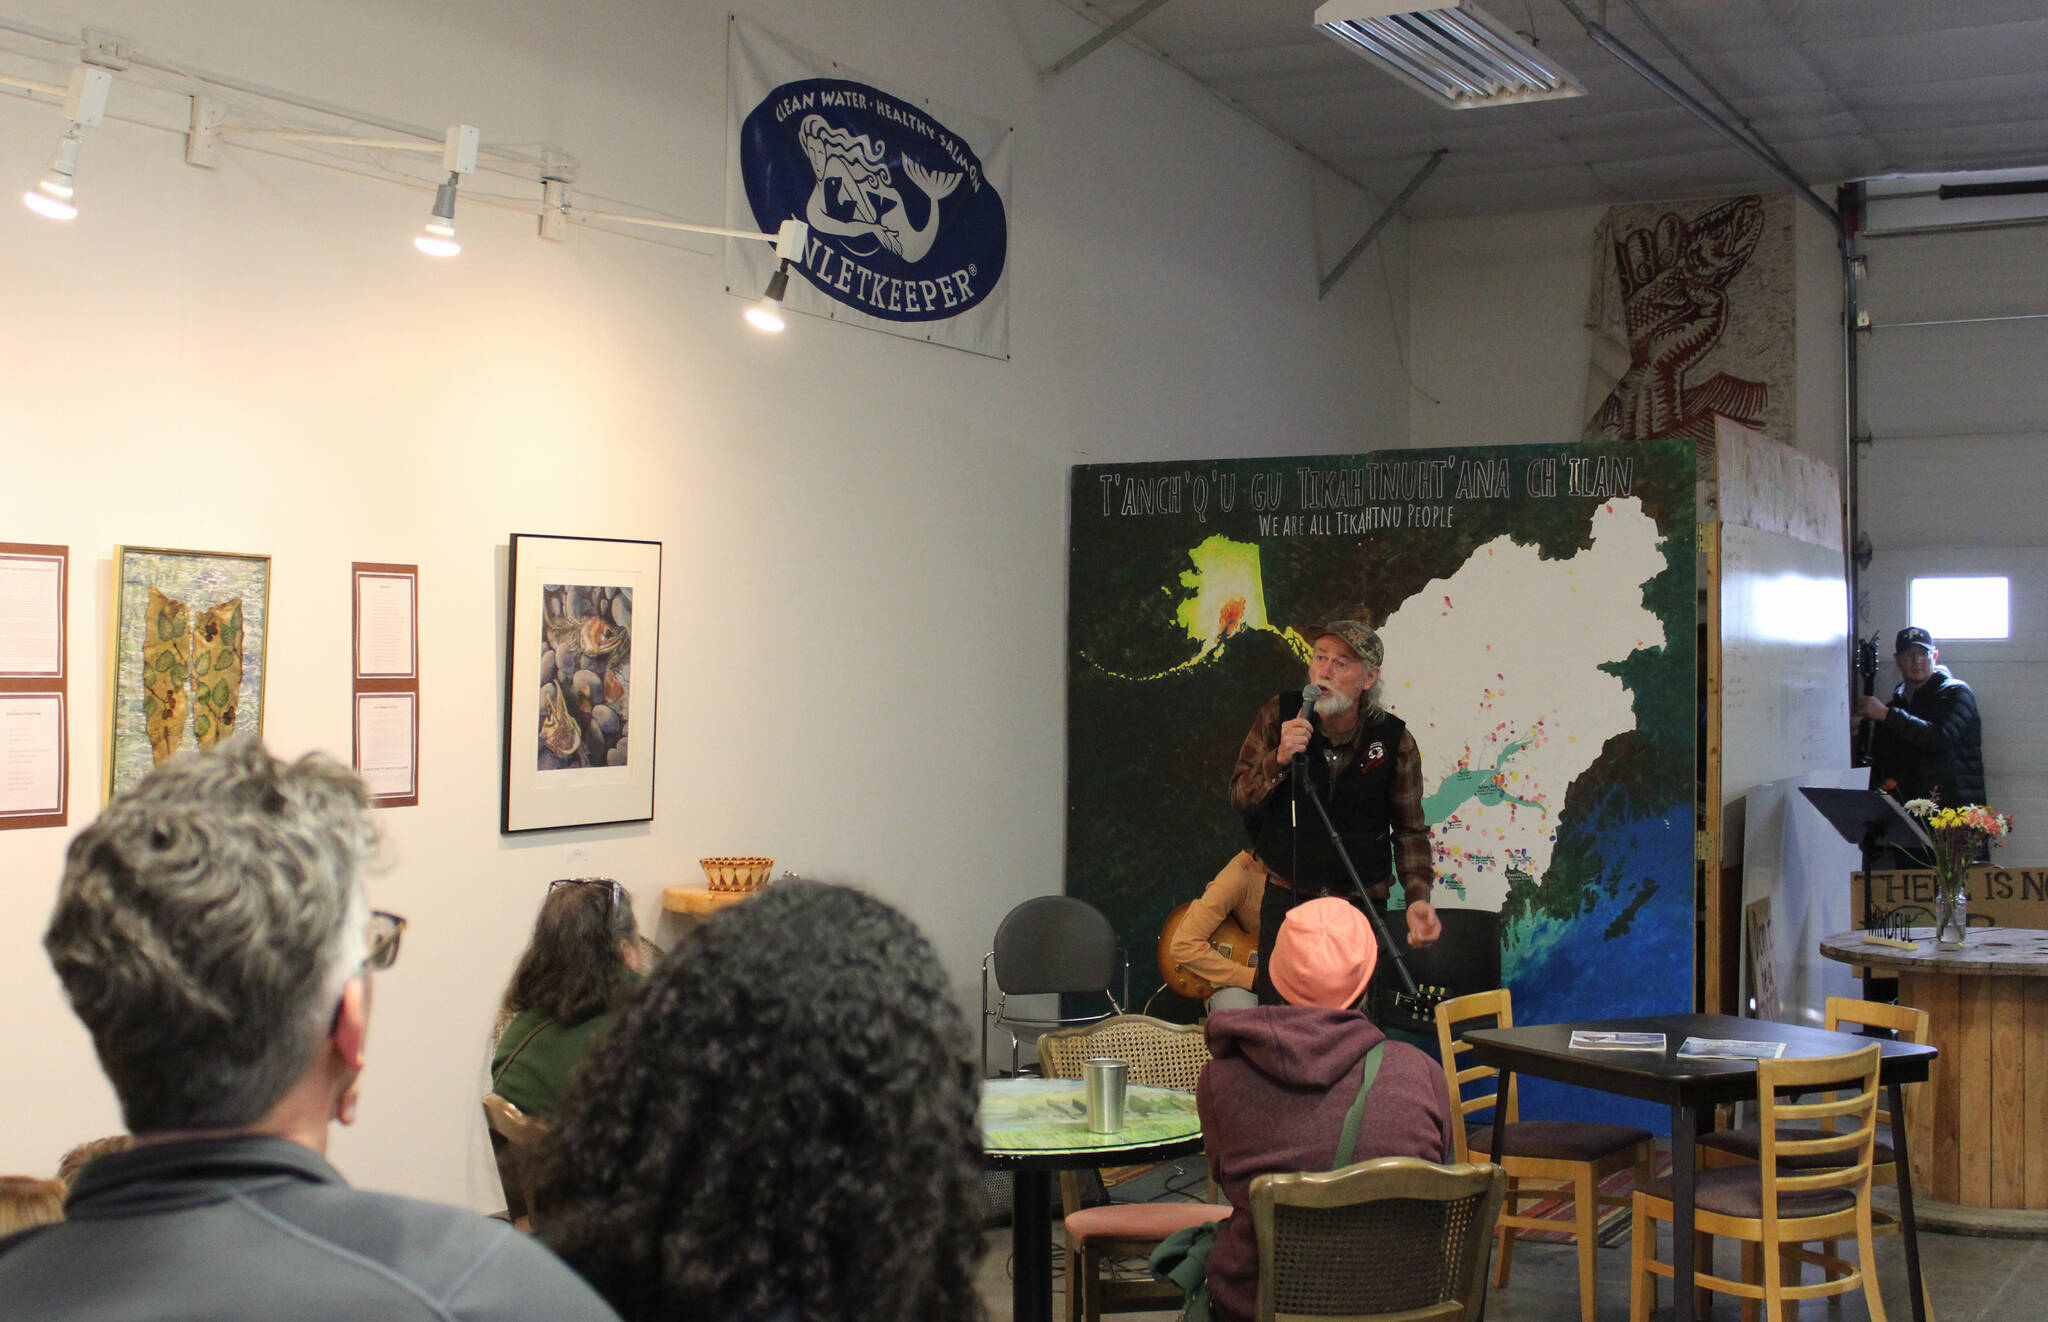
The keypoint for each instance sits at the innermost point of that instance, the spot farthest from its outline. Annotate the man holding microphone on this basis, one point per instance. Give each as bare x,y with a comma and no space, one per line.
1361,762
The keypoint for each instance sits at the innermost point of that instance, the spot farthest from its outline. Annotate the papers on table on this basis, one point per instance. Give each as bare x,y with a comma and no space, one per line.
1730,1047
1584,1040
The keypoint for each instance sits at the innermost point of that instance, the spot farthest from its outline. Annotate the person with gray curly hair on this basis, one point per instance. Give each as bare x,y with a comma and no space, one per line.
212,934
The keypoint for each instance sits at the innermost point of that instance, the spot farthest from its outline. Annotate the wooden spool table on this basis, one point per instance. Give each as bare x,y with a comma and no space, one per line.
1979,1131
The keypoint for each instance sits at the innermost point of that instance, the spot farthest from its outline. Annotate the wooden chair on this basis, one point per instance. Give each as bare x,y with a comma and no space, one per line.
513,1136
1159,1055
1543,1158
1734,1147
1799,1190
1392,1238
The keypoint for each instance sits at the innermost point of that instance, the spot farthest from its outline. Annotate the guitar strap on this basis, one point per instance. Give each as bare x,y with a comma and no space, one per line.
1347,1140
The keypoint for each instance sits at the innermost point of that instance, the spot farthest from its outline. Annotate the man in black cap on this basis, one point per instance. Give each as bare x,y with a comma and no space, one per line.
1929,742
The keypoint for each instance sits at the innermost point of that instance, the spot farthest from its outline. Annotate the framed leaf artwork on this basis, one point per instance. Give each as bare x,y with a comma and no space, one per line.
191,631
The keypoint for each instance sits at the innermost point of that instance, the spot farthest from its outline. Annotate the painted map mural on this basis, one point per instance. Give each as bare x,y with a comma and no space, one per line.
1538,609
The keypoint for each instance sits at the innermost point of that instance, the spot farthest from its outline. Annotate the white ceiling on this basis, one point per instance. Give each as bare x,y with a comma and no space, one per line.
1843,89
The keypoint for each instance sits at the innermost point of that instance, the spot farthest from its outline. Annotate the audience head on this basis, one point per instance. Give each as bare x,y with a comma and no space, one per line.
584,946
785,1116
75,1160
206,928
27,1201
1324,954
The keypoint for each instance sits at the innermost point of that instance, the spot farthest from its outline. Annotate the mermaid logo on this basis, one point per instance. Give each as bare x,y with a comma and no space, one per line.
904,226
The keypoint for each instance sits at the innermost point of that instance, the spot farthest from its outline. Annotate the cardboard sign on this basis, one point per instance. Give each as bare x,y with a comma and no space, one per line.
2008,897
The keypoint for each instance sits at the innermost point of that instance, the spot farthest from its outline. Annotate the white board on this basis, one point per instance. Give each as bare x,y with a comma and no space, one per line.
1784,665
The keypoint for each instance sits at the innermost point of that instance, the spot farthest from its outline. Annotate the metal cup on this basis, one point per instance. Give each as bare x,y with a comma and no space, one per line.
1105,1079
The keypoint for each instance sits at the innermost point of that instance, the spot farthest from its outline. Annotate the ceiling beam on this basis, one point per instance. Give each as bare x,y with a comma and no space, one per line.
1379,223
1760,153
1101,39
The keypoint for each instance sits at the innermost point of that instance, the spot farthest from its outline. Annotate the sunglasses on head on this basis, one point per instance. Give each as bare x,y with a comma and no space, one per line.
615,900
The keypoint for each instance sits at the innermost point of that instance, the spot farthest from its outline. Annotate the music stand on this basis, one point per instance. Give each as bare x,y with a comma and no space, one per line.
1871,821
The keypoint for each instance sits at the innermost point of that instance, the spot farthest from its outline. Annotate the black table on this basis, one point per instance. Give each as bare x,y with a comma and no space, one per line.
1692,1088
1034,1127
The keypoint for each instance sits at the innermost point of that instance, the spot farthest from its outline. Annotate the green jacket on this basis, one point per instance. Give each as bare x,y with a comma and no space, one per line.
534,1078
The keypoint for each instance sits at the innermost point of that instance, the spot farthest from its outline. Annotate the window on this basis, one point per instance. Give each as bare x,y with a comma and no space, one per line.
1951,608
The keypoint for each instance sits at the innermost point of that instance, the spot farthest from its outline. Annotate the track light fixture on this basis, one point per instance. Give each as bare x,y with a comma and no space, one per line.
789,246
438,238
458,157
52,194
85,102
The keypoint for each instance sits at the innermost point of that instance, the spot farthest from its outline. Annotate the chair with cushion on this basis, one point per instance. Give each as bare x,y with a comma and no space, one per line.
1052,945
1731,1147
1392,1238
513,1136
1158,1055
1801,1189
1542,1157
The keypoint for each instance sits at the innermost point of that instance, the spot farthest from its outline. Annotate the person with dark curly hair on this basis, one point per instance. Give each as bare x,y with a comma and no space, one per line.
783,1125
579,968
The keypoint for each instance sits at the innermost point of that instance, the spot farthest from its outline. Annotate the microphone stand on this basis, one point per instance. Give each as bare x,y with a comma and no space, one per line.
1372,910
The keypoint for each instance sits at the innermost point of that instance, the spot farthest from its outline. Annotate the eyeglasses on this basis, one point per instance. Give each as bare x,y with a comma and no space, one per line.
615,901
385,931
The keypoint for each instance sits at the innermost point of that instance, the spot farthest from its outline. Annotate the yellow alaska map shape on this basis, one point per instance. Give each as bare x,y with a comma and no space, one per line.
216,672
1229,597
166,656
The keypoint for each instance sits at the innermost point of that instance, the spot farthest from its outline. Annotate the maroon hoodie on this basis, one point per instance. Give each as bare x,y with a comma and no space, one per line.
1273,1099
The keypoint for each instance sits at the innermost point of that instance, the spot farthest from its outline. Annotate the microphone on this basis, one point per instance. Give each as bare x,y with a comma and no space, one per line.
1311,693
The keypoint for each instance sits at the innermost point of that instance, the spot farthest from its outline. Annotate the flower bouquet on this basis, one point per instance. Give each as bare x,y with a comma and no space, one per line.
1955,837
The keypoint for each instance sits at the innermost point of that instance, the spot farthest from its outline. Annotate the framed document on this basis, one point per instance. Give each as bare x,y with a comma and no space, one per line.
191,630
583,628
385,647
35,760
387,617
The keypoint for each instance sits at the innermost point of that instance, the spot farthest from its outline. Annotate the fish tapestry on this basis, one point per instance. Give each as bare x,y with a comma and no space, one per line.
1693,309
1537,606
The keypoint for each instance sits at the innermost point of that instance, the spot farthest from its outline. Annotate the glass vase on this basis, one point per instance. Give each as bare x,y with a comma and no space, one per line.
1951,917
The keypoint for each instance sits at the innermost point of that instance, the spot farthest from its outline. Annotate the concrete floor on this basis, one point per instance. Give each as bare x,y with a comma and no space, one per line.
1969,1279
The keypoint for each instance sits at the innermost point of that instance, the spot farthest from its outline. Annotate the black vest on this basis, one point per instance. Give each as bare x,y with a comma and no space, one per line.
1357,797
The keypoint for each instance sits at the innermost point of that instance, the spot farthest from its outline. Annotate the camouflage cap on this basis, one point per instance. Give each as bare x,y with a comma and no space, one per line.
1363,642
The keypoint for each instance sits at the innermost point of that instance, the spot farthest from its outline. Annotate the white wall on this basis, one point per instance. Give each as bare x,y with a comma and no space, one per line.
1501,344
864,542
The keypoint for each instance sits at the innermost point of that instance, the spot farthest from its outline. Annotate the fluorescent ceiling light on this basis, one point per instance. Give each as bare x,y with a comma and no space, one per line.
1449,50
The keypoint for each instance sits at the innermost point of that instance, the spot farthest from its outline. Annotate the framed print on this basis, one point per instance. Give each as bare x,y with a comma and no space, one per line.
583,630
190,633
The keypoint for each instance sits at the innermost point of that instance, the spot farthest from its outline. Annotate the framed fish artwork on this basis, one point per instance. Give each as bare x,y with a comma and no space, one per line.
583,630
191,633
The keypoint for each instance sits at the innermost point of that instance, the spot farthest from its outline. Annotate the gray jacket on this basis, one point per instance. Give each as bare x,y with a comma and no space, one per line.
221,1230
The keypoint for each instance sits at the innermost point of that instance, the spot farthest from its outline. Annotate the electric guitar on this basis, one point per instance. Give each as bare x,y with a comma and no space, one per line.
1228,940
1866,667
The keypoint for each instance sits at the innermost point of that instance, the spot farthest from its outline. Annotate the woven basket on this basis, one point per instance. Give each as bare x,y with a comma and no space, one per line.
736,874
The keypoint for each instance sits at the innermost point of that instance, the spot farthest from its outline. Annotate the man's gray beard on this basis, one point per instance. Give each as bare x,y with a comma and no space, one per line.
1334,704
